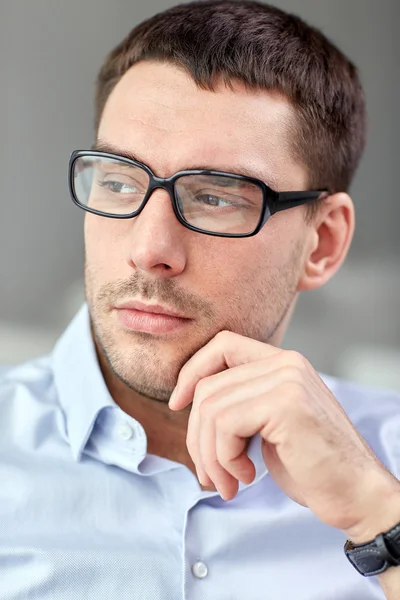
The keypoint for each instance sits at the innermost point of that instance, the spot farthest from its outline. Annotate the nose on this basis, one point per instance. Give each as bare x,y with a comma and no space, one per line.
157,242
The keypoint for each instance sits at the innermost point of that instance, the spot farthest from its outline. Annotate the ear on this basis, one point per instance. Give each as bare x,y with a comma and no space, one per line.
331,232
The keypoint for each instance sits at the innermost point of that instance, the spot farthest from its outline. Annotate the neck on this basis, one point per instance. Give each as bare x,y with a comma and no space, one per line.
165,430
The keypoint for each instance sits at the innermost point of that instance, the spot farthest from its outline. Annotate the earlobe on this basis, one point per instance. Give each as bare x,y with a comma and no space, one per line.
329,242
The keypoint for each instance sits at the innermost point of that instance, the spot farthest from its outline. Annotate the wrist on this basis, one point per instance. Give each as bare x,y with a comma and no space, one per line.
382,513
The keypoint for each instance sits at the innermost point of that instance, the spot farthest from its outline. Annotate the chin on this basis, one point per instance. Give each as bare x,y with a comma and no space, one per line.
148,364
144,365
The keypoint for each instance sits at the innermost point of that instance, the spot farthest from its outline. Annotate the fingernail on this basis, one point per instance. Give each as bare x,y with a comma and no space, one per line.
199,478
220,493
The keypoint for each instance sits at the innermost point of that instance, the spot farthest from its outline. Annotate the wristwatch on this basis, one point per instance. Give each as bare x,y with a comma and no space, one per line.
373,558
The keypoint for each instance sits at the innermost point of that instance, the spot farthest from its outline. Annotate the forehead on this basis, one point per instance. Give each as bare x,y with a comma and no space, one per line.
157,112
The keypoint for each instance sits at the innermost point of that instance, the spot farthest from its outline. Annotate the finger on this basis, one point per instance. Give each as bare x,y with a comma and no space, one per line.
238,465
208,408
225,483
285,421
224,351
235,424
224,394
233,378
193,449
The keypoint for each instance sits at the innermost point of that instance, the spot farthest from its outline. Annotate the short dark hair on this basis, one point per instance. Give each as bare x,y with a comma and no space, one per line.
265,48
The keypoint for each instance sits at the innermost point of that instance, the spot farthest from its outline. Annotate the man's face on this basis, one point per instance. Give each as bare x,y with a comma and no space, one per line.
245,285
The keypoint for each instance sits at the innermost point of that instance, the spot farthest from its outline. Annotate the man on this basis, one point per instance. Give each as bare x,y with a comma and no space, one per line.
168,448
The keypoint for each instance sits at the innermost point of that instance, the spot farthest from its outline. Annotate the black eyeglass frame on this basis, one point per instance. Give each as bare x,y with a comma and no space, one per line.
273,201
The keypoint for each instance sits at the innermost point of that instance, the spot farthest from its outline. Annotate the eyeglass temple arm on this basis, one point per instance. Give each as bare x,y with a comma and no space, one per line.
286,200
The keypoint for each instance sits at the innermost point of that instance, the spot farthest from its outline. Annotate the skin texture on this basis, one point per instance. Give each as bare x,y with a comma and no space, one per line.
239,387
230,378
157,113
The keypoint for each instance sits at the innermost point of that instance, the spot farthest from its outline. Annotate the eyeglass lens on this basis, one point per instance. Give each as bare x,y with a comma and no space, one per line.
215,203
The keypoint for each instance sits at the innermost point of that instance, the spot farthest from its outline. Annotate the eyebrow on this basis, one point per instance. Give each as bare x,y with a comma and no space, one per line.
103,146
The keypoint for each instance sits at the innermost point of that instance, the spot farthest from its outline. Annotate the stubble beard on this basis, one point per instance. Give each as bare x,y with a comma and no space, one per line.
149,366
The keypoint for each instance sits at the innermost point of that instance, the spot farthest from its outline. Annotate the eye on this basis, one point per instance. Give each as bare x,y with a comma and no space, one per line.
212,200
118,187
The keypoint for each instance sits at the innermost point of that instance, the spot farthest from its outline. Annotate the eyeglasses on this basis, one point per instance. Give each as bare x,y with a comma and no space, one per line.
211,202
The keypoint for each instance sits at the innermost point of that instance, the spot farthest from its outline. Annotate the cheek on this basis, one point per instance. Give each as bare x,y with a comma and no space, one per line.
102,243
103,255
243,259
254,273
232,271
92,232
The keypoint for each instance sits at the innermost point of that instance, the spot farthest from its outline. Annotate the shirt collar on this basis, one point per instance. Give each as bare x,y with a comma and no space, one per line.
79,382
83,393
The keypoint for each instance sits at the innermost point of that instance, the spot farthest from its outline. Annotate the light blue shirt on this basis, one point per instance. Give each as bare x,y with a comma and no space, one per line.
86,513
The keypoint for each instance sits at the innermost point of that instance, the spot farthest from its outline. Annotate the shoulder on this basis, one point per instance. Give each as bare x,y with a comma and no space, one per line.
354,396
27,372
375,412
26,386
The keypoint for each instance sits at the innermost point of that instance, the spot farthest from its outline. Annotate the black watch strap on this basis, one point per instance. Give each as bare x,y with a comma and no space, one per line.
373,558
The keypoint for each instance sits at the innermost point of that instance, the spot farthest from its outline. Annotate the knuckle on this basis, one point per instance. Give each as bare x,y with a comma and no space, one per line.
291,374
202,394
211,467
224,336
202,387
222,421
206,405
296,359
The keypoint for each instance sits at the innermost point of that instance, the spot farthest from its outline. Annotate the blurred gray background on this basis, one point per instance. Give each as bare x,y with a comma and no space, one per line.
50,52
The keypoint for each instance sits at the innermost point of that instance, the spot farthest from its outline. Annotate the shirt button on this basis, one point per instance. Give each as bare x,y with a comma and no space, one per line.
125,431
200,569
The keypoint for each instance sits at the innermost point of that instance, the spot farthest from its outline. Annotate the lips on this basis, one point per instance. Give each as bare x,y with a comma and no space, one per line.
150,318
156,309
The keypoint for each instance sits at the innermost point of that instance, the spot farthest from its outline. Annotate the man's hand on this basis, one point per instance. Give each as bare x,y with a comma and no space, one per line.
239,387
